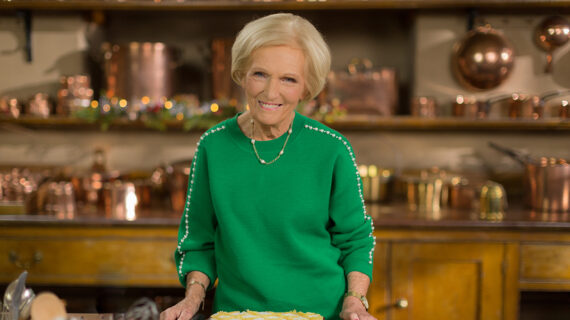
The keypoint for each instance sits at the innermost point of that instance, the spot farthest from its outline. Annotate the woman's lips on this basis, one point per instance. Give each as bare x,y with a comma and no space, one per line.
269,106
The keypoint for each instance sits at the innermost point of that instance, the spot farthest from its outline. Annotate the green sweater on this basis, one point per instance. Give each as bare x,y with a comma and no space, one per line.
278,237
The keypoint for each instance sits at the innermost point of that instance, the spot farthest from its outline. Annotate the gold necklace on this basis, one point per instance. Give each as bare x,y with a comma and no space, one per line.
280,152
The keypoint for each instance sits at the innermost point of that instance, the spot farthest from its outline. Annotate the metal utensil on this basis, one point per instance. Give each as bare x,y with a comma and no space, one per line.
13,296
521,158
26,304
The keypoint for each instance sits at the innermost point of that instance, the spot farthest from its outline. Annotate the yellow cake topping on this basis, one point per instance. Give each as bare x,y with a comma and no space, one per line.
254,315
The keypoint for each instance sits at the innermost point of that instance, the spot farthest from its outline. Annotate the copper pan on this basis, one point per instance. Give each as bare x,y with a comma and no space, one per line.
483,59
552,33
546,180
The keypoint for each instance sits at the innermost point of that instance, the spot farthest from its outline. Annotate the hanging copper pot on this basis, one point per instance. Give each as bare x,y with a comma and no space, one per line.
483,59
552,33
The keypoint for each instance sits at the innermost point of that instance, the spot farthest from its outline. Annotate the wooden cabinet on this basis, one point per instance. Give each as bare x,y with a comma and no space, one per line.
444,279
420,272
545,266
449,280
103,256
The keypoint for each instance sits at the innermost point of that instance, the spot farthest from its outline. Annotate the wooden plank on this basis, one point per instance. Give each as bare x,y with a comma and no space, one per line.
268,5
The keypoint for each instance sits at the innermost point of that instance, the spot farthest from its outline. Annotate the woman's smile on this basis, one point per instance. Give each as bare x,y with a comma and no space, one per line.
269,106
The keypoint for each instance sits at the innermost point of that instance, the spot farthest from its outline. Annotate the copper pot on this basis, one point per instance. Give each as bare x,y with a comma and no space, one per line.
137,70
557,109
173,180
552,33
547,181
423,107
467,107
483,59
363,89
547,185
462,193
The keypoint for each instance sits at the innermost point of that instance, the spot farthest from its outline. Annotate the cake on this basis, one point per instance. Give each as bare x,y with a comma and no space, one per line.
253,315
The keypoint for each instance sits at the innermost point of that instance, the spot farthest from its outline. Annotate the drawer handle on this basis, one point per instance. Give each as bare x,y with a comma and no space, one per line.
399,304
18,262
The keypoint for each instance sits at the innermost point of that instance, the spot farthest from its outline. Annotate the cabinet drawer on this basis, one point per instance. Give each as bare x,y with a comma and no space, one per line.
545,263
107,260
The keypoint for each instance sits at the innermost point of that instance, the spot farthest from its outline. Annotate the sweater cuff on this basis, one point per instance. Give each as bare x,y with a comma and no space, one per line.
358,265
196,261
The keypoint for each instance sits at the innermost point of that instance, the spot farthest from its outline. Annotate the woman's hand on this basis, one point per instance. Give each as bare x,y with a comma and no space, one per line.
183,310
352,309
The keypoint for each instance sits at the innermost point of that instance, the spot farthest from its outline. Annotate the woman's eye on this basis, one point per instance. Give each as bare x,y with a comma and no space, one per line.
291,80
258,74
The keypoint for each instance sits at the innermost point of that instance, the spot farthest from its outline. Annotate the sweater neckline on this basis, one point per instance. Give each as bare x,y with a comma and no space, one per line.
268,145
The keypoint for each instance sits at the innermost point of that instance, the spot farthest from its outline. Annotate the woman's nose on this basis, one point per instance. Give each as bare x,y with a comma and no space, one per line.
272,88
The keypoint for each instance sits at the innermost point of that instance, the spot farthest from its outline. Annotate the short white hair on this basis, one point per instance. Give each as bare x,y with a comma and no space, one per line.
284,29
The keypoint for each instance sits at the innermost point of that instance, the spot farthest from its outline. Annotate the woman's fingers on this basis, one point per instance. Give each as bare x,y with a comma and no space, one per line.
177,312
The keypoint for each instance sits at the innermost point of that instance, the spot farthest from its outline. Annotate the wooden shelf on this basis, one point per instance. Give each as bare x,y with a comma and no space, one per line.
348,123
408,123
269,4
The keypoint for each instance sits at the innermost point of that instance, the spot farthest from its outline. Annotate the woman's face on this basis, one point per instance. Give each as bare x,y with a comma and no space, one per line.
274,84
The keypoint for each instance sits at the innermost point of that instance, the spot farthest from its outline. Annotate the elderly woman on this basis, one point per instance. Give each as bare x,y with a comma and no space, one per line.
274,207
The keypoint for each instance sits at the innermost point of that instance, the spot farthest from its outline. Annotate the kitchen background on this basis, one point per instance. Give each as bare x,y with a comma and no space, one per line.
416,42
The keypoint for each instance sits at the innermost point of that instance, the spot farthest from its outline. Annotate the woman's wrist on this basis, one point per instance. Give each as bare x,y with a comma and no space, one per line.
196,282
196,289
196,296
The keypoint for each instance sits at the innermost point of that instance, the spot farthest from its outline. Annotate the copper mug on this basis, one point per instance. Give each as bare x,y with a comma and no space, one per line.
467,107
39,106
423,107
10,107
524,106
121,200
57,198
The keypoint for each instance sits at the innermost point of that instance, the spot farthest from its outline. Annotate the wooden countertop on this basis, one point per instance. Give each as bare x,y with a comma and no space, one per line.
385,216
